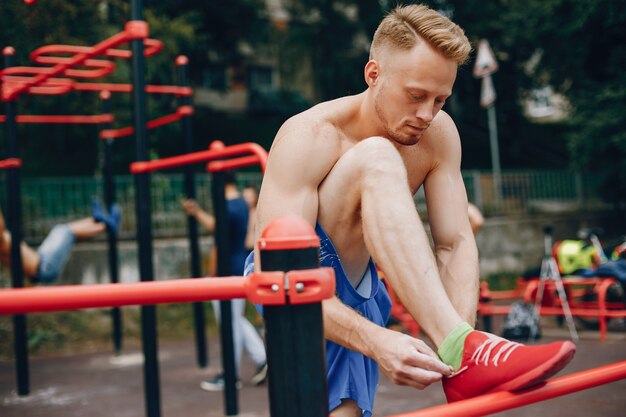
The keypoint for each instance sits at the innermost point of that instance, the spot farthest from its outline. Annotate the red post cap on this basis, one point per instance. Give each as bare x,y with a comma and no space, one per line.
105,94
8,51
287,233
30,2
217,144
182,60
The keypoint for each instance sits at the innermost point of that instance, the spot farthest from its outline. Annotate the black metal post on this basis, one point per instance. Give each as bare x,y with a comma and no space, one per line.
14,223
295,342
192,224
222,242
109,200
144,223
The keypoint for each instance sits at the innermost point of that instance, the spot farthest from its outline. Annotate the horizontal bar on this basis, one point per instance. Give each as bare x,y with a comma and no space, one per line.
57,119
151,124
505,400
70,85
201,156
10,163
226,164
73,297
488,310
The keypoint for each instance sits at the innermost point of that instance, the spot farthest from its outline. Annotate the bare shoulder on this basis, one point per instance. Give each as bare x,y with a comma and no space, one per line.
442,136
310,135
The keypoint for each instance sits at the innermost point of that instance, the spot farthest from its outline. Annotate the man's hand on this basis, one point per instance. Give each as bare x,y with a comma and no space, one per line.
408,361
190,206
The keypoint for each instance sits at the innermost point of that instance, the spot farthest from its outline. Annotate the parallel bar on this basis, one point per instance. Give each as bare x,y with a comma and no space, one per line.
151,124
500,401
240,162
72,85
73,297
201,156
58,119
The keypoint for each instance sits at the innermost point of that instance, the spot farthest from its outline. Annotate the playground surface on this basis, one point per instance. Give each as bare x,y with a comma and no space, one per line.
102,385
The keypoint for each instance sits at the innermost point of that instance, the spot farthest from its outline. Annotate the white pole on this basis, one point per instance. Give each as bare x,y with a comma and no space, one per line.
495,153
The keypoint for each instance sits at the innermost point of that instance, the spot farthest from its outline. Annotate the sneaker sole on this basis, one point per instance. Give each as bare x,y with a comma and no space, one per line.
539,375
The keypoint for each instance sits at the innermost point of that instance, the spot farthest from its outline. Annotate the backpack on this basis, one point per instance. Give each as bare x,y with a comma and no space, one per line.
521,321
574,255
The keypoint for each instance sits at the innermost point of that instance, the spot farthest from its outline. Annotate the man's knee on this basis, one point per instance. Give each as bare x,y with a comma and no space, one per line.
374,154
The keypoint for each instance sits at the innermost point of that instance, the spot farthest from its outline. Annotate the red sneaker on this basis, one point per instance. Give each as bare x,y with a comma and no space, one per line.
493,364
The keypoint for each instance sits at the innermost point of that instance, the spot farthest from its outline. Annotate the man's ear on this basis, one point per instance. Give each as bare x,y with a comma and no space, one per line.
371,72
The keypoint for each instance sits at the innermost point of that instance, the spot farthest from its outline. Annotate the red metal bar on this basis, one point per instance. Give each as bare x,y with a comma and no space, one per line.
500,401
201,156
72,297
71,85
10,163
132,30
225,165
158,122
260,287
94,119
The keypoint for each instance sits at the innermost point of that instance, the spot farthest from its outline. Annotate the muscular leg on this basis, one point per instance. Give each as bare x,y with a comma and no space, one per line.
86,228
366,207
348,408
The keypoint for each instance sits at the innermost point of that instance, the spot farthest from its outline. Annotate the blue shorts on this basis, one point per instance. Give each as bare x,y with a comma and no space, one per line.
54,252
351,375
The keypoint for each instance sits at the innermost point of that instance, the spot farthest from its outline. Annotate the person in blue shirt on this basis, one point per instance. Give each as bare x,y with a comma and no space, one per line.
244,334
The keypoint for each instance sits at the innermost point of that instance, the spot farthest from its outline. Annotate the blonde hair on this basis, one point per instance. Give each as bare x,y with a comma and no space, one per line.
404,26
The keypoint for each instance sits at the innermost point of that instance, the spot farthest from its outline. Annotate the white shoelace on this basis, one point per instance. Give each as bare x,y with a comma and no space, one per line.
484,351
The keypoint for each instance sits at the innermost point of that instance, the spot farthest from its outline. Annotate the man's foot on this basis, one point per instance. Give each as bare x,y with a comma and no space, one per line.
111,220
260,376
492,364
216,383
115,217
97,211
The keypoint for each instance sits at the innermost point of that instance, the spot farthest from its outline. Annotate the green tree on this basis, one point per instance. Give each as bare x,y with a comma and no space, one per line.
583,53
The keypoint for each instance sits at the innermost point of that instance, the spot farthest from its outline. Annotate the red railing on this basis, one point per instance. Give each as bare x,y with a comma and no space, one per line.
259,156
500,401
268,288
94,119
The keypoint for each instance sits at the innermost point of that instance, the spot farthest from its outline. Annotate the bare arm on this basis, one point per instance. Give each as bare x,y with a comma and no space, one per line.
205,219
455,246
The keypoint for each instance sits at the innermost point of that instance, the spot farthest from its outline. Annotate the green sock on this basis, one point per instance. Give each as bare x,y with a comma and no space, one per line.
451,350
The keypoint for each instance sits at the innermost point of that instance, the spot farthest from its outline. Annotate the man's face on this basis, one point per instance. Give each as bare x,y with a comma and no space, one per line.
413,86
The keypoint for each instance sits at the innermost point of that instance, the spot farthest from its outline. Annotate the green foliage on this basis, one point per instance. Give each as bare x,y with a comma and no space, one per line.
582,45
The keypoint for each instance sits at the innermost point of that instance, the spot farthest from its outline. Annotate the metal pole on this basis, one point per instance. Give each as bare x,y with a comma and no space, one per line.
495,153
144,223
192,224
14,223
109,200
222,243
295,341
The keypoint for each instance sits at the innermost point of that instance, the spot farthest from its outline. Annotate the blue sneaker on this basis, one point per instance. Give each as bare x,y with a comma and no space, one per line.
115,217
97,211
111,220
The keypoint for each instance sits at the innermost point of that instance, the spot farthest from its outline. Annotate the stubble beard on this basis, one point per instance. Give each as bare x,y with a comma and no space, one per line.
399,138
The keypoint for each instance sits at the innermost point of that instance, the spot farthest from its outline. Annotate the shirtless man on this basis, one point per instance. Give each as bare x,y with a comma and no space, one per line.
350,168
